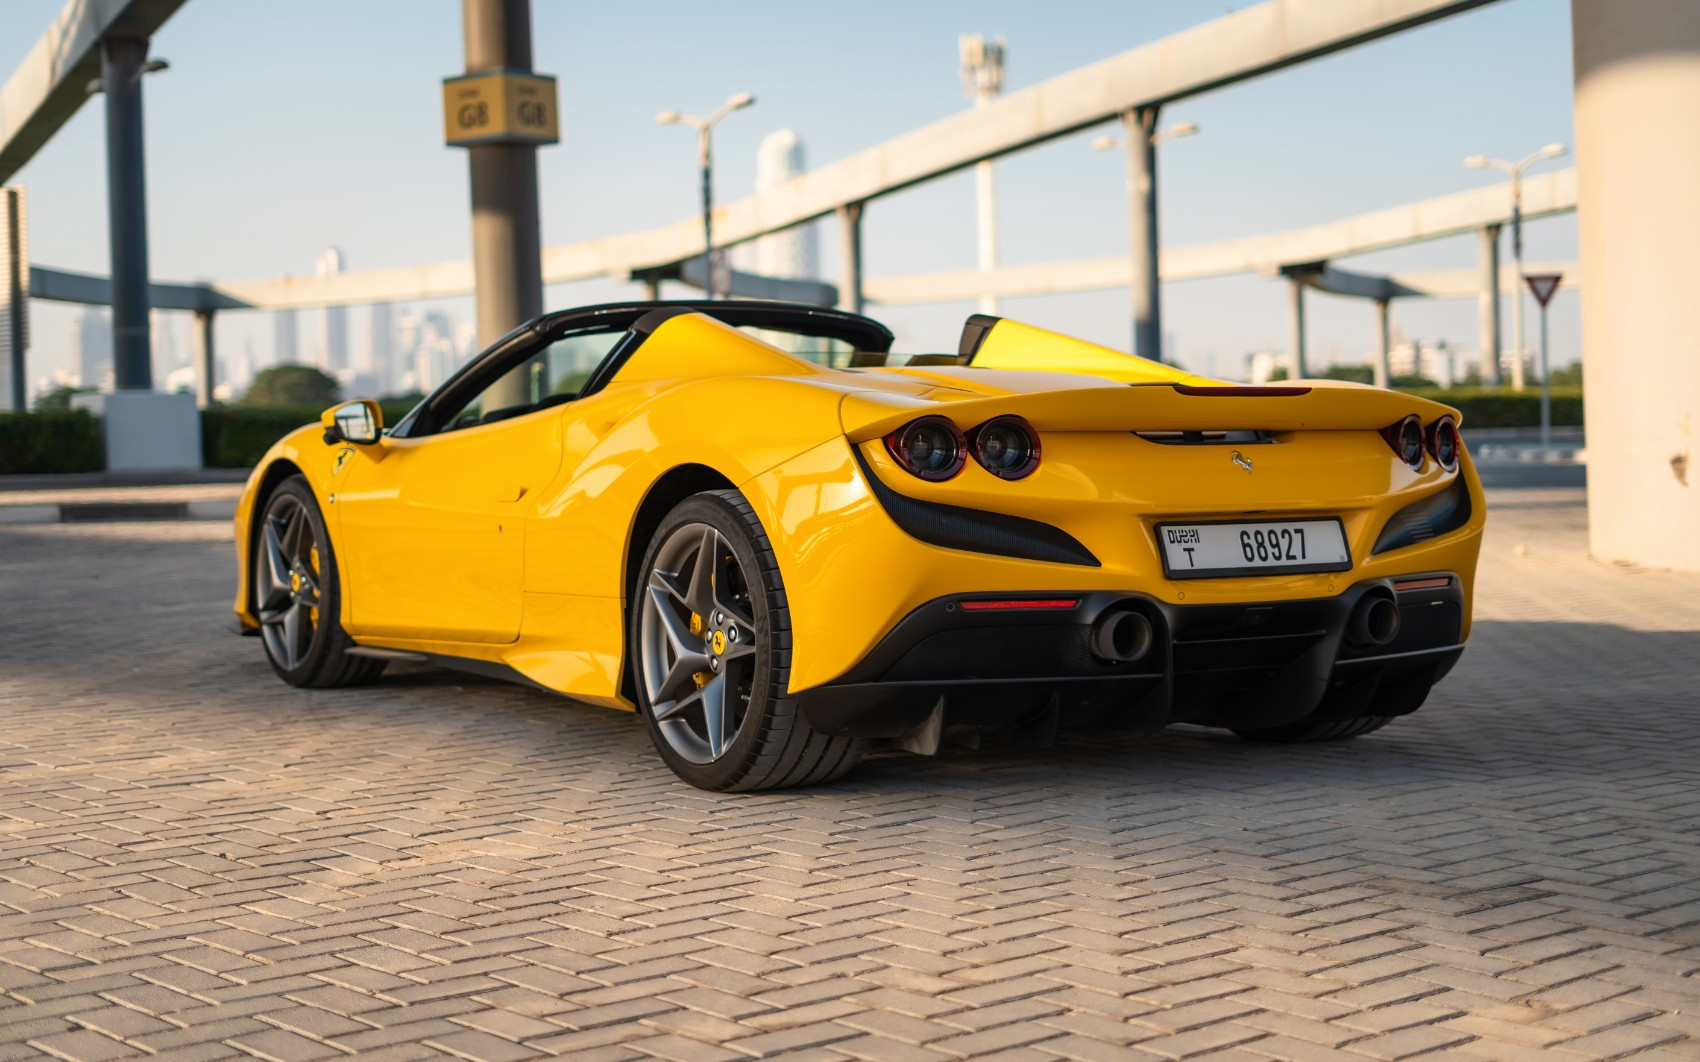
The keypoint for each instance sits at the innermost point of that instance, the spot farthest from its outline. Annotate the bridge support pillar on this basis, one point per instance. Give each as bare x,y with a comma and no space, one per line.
206,363
1383,366
1637,159
1139,126
121,60
850,257
1296,326
1488,236
507,242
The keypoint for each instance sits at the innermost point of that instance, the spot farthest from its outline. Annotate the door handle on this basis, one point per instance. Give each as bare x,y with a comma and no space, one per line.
510,493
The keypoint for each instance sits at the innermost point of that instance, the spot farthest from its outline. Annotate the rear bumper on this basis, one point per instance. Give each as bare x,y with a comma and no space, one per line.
1245,666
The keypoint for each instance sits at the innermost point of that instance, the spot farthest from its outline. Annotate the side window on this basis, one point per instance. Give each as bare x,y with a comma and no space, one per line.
553,375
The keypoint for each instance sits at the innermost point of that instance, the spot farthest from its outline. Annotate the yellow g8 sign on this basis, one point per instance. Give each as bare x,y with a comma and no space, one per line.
500,108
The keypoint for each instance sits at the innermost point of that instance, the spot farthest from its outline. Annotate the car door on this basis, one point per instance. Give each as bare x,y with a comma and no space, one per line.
432,532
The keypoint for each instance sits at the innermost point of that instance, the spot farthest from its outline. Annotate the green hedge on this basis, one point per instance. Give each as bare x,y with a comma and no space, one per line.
52,442
238,436
1485,407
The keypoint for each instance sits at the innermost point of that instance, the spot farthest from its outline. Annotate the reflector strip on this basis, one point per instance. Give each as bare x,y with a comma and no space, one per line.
1015,605
1421,584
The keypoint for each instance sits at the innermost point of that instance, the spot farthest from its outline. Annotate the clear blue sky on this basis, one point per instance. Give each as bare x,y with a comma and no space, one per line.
285,127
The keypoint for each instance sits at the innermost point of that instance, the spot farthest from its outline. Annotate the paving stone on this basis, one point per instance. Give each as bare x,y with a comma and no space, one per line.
203,862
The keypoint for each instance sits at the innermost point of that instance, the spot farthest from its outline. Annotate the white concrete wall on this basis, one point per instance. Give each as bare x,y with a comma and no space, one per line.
1638,173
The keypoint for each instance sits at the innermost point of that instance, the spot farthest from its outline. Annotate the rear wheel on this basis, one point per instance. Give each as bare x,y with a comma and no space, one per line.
1318,730
296,595
711,638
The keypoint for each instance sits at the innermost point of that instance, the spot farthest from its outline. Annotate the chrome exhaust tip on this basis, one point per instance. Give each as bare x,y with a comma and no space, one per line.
1121,636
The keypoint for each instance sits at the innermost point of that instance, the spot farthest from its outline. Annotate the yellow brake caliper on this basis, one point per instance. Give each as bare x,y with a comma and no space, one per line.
701,678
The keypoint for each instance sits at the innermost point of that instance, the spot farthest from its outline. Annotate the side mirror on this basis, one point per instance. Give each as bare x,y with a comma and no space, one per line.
360,423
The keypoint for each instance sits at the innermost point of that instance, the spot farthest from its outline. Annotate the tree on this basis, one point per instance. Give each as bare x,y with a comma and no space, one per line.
1567,376
59,398
292,385
1355,373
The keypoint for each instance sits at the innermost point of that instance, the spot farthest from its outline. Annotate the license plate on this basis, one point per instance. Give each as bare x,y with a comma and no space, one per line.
1197,551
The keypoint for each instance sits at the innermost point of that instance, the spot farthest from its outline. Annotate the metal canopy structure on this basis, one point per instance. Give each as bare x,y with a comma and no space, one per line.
1428,219
52,81
1242,45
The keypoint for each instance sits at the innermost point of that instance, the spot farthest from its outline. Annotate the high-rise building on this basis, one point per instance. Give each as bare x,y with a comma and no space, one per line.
380,347
794,253
91,348
286,340
333,344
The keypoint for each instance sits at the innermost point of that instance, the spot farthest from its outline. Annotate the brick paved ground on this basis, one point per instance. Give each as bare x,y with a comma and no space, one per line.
199,862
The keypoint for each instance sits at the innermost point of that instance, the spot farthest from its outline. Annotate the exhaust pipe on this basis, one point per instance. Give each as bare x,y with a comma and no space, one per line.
1374,622
1121,636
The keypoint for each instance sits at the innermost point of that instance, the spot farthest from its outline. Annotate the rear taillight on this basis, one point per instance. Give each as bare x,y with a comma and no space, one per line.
1406,439
1444,443
931,448
1007,447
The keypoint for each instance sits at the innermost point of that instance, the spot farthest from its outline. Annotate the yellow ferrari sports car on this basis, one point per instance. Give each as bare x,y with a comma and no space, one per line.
778,542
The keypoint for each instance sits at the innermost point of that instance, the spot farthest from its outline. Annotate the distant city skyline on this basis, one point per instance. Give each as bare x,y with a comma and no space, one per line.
1371,127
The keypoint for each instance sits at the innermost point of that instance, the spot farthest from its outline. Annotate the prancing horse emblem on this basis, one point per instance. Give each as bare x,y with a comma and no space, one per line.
1240,459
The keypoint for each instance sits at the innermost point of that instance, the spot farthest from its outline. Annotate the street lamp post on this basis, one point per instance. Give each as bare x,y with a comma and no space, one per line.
705,162
1142,139
1515,171
982,78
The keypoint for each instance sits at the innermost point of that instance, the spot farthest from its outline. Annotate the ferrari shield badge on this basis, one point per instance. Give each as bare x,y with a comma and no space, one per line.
342,457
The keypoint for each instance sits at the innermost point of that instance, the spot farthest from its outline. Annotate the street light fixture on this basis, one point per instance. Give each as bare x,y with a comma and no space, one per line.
1179,129
152,66
1515,171
705,162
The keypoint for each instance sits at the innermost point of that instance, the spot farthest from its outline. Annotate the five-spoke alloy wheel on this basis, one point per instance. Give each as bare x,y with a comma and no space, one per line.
296,596
711,640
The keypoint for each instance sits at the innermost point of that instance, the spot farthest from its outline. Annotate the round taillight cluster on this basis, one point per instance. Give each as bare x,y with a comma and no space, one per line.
1408,442
1444,443
1007,447
934,449
1411,441
931,448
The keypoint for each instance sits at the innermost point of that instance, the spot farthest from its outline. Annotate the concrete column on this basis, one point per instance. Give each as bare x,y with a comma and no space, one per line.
507,249
1488,237
121,60
850,257
1139,126
1296,326
14,300
652,287
1637,161
206,364
1383,342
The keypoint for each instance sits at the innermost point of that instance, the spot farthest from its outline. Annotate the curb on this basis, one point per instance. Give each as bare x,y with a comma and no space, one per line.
1526,454
109,512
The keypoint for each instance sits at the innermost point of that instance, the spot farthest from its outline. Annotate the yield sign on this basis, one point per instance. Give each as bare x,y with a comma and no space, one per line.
1543,285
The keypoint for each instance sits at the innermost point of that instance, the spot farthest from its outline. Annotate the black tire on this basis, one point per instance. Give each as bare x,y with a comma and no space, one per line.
773,747
1306,730
321,658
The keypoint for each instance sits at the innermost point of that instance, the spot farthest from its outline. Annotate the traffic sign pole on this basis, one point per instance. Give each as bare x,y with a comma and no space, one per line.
1544,285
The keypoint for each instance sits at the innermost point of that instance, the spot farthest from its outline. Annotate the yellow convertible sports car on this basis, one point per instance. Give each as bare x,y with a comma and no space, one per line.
778,542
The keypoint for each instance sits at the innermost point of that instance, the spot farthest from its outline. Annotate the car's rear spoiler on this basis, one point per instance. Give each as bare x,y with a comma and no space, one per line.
1319,405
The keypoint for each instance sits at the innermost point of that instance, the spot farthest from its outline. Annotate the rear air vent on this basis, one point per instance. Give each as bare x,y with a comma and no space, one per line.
1239,437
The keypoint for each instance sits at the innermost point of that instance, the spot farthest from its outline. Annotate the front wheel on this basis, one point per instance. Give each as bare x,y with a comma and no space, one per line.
711,638
296,595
